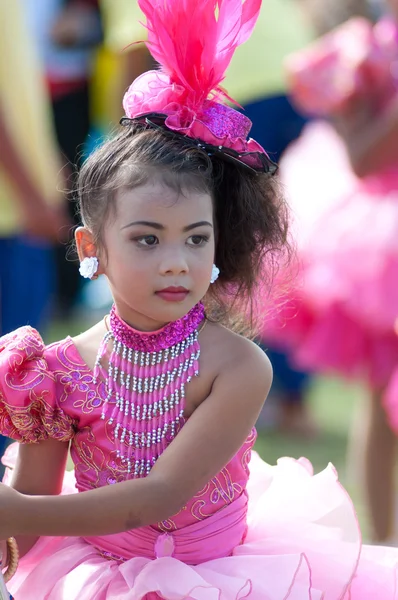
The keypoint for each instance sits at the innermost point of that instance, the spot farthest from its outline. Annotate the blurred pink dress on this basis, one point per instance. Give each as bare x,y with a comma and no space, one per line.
340,315
281,533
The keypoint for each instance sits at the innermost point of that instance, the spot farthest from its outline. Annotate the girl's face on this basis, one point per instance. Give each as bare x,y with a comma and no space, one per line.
159,253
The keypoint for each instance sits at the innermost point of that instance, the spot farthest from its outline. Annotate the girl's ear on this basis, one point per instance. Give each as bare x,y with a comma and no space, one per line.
86,248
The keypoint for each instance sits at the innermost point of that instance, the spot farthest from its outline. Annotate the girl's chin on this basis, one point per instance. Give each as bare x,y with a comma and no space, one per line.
158,311
172,309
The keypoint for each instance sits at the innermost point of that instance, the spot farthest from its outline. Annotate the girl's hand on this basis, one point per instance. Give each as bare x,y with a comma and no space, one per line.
47,222
11,507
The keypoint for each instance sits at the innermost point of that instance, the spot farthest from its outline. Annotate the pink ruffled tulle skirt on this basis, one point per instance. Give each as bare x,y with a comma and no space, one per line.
339,315
302,543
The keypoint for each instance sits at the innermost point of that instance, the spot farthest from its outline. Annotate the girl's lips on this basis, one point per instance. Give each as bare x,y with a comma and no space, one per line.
173,294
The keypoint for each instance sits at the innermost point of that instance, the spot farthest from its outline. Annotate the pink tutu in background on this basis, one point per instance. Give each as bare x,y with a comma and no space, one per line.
339,317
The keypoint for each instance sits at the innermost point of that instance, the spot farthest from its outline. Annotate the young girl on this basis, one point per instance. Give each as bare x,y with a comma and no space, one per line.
158,400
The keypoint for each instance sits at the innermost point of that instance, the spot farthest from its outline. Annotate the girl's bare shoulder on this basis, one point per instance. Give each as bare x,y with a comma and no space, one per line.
224,349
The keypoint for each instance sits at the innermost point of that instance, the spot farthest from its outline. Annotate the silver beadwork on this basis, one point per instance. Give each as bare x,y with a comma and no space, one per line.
142,425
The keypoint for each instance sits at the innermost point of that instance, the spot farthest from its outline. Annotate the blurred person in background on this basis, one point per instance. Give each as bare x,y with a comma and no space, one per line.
67,34
341,178
31,216
127,56
256,80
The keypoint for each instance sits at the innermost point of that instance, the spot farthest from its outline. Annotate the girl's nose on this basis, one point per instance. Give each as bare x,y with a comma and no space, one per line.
174,262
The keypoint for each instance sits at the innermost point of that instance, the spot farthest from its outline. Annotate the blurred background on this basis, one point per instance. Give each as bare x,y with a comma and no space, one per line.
64,66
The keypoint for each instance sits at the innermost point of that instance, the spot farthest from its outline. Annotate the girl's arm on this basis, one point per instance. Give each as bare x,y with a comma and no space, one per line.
14,167
38,218
371,141
39,470
206,443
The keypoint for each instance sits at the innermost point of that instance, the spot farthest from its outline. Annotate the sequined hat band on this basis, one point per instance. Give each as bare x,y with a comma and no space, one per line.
255,161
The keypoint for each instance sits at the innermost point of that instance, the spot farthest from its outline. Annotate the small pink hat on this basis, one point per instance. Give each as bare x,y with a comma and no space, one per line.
194,41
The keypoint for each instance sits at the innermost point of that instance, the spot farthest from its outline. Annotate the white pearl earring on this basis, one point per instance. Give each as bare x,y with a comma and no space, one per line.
88,267
214,274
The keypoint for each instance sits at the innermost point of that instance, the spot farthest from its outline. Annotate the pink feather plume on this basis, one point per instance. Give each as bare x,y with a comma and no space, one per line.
194,40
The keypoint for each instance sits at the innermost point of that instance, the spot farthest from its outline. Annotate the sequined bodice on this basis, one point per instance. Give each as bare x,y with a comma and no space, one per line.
94,441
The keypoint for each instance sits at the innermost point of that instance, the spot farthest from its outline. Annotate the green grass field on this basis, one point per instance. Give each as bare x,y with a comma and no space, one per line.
332,403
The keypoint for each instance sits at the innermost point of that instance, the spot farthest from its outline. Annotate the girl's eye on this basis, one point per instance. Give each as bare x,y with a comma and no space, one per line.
147,240
198,240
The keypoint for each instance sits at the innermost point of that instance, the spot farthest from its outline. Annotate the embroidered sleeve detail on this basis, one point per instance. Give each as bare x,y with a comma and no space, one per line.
29,410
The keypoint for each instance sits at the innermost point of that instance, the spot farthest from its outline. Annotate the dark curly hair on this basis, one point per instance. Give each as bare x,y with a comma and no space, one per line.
250,213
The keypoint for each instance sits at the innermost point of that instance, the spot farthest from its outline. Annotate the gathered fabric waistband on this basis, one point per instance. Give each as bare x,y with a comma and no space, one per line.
225,530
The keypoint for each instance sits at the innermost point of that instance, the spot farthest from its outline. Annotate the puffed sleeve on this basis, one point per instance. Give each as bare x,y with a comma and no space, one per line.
29,410
324,77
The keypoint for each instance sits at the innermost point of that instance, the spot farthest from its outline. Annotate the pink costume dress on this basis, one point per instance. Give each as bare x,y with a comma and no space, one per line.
340,314
280,533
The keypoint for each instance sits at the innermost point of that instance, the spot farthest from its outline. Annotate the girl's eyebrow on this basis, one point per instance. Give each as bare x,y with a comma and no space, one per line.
160,227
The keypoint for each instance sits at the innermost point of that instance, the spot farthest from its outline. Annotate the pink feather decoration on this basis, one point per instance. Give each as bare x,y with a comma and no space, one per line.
194,40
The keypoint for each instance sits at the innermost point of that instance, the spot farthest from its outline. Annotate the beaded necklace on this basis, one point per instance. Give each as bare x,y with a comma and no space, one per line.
145,385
